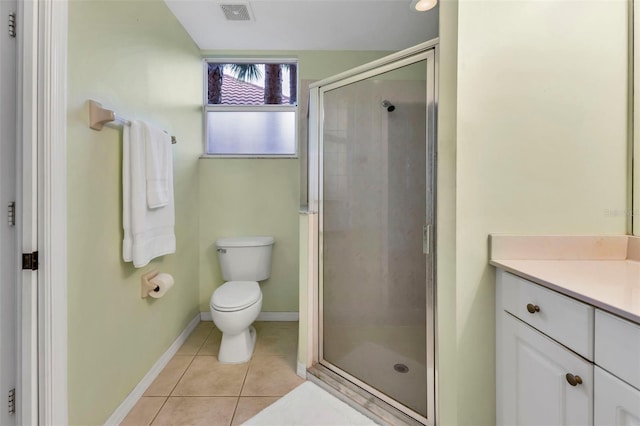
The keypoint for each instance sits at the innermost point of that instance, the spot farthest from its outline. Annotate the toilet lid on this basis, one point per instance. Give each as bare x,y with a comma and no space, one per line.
235,295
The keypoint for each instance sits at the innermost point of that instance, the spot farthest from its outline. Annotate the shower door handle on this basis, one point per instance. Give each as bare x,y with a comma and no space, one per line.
426,239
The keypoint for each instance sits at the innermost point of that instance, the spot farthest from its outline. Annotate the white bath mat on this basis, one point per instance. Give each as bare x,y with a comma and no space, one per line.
309,405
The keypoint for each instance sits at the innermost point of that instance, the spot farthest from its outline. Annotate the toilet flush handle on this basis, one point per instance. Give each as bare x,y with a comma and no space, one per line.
221,250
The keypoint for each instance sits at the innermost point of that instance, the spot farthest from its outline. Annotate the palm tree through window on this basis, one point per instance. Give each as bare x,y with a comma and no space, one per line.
250,78
251,108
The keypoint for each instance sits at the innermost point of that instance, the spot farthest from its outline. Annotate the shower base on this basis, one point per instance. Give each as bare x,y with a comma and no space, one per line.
358,398
391,373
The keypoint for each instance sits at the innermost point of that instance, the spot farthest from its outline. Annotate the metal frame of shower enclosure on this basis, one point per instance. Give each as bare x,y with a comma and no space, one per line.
426,51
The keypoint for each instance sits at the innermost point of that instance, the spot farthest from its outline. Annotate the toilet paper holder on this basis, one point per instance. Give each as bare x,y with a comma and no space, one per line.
146,286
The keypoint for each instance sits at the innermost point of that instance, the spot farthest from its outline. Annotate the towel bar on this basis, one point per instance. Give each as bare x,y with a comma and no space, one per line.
99,117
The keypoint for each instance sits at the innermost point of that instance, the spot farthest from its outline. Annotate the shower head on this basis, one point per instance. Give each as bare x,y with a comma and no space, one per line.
388,105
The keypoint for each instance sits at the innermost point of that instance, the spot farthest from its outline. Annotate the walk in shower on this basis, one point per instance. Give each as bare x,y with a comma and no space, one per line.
371,172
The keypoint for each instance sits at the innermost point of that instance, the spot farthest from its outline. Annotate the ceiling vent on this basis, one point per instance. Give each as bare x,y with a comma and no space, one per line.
236,12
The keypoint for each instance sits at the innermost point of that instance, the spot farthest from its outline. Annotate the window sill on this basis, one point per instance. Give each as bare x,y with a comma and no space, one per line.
248,157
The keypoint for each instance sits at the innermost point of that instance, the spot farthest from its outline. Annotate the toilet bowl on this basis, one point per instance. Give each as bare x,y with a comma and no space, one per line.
236,304
234,307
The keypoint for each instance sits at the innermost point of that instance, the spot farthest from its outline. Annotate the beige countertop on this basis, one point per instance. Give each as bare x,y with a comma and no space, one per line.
599,273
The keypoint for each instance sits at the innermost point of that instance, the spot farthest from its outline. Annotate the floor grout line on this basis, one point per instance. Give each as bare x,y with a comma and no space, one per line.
204,341
172,389
193,357
235,410
166,398
181,376
244,380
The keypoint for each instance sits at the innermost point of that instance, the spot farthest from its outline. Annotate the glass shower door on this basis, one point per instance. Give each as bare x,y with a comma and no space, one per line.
376,201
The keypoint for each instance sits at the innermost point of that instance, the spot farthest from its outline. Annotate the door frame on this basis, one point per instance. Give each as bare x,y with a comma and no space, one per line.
424,51
42,106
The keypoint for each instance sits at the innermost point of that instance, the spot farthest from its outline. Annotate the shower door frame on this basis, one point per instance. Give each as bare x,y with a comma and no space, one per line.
424,52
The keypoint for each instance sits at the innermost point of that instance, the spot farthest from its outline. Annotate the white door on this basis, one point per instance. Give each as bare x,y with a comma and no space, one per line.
535,387
616,403
8,233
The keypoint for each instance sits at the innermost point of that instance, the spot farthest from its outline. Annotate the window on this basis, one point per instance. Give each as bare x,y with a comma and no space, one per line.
251,108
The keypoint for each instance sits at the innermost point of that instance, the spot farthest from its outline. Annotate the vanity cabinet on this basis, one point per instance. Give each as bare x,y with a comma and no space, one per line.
617,348
616,403
617,374
560,361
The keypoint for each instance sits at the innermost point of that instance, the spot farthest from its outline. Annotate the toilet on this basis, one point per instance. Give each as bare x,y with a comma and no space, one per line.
236,304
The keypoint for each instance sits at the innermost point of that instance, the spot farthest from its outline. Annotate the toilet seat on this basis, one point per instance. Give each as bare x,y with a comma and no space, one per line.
235,296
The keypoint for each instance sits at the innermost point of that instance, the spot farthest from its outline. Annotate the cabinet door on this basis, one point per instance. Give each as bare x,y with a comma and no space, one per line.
616,402
532,379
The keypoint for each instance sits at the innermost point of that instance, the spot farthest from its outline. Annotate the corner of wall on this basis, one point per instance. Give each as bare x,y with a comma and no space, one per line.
447,397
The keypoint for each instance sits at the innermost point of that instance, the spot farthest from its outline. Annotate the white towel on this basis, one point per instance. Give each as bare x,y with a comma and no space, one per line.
158,159
148,232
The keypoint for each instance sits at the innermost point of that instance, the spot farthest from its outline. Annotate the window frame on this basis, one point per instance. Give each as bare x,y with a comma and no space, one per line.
206,107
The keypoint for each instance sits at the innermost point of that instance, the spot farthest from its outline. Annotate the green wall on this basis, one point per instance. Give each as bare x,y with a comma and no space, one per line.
261,196
541,149
136,58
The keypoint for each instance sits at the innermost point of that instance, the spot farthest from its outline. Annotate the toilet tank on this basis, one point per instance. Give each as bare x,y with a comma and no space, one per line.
245,258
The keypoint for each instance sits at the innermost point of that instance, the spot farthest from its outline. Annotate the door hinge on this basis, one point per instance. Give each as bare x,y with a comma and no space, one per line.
30,261
426,239
12,25
11,214
12,401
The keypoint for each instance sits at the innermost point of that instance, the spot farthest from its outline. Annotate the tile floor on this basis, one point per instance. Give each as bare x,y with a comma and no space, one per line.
195,389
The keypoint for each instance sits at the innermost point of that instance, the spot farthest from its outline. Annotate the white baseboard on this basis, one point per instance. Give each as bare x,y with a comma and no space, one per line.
302,370
278,316
130,401
264,316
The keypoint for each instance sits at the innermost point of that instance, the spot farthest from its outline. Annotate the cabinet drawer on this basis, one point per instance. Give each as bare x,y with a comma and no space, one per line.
618,347
564,319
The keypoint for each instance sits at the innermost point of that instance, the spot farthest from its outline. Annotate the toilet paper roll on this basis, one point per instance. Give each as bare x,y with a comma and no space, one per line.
163,283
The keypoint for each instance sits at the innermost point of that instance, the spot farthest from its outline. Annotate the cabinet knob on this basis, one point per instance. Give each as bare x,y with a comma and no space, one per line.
573,380
533,308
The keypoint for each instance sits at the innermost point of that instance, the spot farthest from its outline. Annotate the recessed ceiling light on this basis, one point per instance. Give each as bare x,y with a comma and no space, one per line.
423,5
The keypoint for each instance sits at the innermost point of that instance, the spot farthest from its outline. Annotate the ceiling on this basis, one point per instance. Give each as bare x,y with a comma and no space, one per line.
307,24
